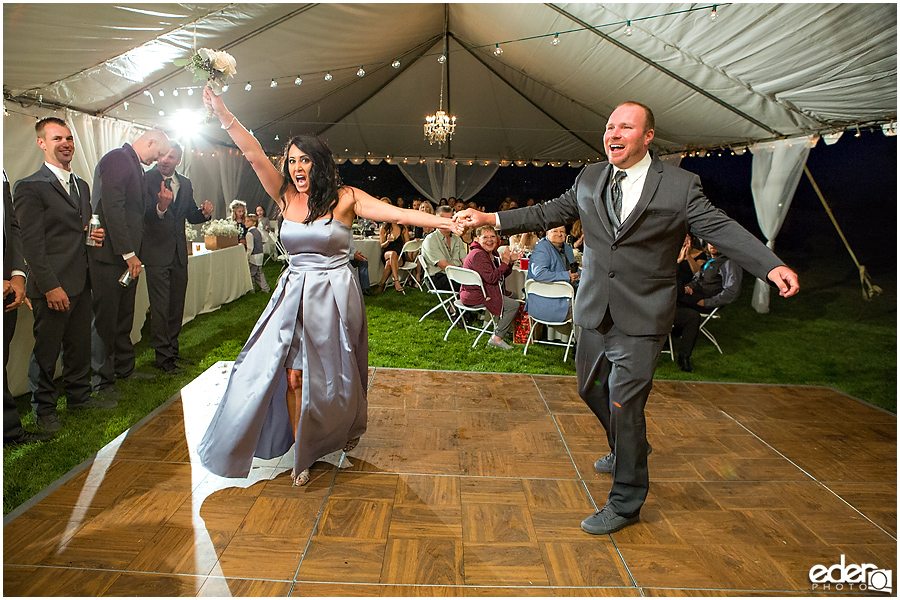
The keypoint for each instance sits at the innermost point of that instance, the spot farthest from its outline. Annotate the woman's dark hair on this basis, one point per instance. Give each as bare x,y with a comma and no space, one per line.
324,179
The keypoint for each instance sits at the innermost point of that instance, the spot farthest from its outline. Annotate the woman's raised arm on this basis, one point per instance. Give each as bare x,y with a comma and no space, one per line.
268,175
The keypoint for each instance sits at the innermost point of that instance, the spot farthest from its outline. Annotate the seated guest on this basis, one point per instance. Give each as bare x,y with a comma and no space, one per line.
359,261
420,232
417,202
717,283
392,236
552,260
468,236
576,236
524,242
690,260
493,267
442,248
238,215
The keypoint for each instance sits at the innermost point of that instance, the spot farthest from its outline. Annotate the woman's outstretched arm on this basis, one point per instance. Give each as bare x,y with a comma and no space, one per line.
268,175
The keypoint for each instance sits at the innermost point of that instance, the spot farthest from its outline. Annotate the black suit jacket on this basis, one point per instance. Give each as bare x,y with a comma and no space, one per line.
53,233
632,272
13,259
164,238
120,196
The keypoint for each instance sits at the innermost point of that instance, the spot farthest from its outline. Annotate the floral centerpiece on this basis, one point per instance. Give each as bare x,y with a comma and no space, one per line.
220,233
215,67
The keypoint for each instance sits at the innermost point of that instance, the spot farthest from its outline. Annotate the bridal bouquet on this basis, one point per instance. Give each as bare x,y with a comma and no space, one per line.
214,67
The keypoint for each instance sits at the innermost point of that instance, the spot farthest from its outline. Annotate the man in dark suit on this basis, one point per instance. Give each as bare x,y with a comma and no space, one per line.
164,253
635,211
54,210
13,297
120,197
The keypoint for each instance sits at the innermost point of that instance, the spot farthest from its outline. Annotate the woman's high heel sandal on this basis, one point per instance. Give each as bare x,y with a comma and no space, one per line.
351,444
301,479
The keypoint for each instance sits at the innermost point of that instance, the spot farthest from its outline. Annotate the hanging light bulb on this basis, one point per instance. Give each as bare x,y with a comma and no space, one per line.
161,94
125,104
442,58
162,113
274,83
328,76
628,29
497,50
555,40
175,92
361,72
713,15
396,64
857,132
298,81
248,87
276,137
191,91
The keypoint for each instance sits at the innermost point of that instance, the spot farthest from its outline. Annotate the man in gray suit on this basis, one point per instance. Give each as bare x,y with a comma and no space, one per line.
164,252
53,207
636,212
120,197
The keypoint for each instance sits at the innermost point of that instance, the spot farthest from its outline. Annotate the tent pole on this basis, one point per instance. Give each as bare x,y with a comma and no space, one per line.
869,289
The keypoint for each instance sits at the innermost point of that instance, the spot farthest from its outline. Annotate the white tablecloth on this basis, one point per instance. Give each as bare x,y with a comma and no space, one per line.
371,249
214,279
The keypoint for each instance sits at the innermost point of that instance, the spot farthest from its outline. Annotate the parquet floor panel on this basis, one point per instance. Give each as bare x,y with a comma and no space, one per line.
475,484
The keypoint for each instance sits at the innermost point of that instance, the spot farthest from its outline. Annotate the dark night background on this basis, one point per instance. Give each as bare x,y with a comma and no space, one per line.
857,176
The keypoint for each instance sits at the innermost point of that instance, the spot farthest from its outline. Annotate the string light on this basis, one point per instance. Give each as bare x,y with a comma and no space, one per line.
628,29
713,15
125,104
555,40
162,113
298,81
497,50
442,58
161,93
191,91
328,76
273,84
276,137
396,64
857,132
361,72
248,87
175,92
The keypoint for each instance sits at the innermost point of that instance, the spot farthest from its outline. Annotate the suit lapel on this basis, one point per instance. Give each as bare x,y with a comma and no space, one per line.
53,180
651,183
600,203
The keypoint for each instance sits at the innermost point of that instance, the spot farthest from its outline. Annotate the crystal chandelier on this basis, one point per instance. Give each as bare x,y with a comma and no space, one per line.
440,126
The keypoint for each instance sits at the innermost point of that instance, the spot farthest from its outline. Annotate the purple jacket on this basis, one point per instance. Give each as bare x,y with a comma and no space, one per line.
485,265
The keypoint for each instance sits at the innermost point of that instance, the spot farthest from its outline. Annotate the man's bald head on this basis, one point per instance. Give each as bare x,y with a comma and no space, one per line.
151,146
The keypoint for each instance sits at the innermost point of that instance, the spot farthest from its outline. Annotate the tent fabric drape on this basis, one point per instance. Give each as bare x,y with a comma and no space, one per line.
777,167
444,179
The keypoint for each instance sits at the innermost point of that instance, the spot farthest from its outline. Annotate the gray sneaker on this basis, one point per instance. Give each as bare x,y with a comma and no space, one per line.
606,464
49,422
501,344
606,521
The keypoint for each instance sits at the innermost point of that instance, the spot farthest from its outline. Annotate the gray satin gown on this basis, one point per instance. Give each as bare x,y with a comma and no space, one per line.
315,322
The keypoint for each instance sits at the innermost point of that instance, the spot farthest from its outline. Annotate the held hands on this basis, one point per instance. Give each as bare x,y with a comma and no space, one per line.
452,225
206,208
473,218
98,235
134,266
165,197
786,280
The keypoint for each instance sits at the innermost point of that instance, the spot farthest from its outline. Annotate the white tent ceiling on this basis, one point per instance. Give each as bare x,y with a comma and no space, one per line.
760,71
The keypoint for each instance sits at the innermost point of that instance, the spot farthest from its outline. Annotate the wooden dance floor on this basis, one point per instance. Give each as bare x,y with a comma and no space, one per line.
474,484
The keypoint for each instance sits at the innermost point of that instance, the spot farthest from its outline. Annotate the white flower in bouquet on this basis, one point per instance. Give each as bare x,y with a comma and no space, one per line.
215,67
578,256
221,227
189,231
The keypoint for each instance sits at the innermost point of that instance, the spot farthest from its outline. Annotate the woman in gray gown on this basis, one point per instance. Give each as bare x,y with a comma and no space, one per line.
310,345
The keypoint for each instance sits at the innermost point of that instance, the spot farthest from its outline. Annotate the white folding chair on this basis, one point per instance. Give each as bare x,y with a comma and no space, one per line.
409,267
555,289
712,315
445,297
462,277
670,351
281,254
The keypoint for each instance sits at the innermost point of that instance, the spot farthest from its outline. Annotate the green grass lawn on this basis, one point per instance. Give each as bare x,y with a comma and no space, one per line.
827,335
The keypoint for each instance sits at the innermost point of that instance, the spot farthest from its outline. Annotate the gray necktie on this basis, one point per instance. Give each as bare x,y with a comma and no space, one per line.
73,189
615,192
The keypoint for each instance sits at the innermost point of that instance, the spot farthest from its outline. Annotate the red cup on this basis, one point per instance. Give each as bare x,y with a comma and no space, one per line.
523,264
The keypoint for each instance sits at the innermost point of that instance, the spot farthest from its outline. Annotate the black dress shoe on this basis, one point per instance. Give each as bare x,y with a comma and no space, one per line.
182,362
169,368
29,437
109,394
366,292
685,363
138,375
106,403
49,422
606,521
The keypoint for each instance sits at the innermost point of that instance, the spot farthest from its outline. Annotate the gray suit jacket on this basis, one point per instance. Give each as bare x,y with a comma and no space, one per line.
120,196
53,233
632,273
164,238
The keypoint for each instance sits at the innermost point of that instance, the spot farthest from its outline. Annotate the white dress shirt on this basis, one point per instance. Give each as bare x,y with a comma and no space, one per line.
633,184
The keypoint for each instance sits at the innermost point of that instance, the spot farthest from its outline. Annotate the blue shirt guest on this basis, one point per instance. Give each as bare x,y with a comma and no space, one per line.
550,262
